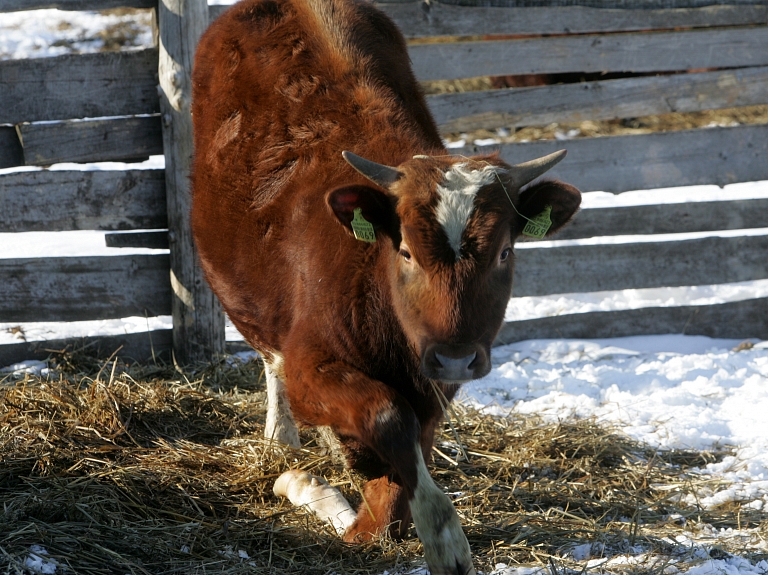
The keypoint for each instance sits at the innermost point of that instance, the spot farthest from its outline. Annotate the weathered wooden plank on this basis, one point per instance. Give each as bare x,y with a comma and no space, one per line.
79,86
589,268
115,139
668,219
604,100
151,240
645,4
216,10
626,52
140,347
110,84
418,19
71,289
19,5
11,153
422,19
84,288
132,347
198,319
733,320
619,163
82,200
135,199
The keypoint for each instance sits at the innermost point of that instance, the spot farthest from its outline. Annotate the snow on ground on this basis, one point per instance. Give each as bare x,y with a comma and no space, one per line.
531,307
669,391
44,33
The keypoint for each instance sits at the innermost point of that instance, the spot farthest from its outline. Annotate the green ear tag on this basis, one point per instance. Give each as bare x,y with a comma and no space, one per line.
538,226
362,228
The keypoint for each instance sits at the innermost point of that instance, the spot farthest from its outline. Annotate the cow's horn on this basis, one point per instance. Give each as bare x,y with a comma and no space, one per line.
377,173
526,172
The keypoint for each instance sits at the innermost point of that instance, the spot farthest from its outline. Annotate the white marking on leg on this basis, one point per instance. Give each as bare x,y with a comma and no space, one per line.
446,548
280,423
457,200
314,493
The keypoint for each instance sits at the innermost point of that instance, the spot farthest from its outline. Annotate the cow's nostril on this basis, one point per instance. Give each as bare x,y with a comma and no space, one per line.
447,367
460,363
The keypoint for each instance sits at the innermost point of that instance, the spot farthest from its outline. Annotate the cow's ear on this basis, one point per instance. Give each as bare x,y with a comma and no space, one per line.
563,201
375,207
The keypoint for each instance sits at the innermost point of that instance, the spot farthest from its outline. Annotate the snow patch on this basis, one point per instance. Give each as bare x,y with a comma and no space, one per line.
38,561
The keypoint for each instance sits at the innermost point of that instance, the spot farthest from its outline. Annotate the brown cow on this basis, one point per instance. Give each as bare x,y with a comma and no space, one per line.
356,334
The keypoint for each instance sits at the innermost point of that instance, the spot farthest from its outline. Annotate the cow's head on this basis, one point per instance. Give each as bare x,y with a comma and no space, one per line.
452,223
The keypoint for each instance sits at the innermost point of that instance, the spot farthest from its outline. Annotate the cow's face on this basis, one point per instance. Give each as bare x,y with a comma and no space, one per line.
453,223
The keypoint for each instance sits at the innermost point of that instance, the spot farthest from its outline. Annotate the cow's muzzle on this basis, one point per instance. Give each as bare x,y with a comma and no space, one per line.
455,363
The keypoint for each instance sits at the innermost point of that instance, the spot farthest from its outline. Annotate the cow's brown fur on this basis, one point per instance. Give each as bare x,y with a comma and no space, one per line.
281,87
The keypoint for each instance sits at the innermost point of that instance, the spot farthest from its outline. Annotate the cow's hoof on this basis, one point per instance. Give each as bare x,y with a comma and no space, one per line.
451,554
285,434
446,548
306,490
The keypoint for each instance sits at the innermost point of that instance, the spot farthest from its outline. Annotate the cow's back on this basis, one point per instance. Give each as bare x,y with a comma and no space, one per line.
280,88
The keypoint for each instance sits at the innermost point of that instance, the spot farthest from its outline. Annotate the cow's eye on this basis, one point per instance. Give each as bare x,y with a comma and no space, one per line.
504,255
406,255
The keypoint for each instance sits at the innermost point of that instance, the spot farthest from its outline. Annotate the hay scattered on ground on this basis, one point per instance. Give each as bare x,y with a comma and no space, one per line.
143,469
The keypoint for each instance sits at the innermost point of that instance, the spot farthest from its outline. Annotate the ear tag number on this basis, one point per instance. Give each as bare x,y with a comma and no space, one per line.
538,226
362,228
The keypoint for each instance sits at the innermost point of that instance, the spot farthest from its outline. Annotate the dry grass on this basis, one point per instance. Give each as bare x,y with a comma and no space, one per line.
143,469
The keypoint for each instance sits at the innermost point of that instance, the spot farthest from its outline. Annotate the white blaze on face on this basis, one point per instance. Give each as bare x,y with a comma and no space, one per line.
457,200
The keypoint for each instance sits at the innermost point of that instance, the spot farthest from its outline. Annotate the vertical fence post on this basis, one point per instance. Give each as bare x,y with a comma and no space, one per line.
198,321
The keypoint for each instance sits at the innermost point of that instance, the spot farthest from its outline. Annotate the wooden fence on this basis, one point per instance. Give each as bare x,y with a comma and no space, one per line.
44,101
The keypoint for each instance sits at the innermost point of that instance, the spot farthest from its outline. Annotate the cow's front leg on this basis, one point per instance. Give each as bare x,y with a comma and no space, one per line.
280,425
385,508
327,392
445,546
